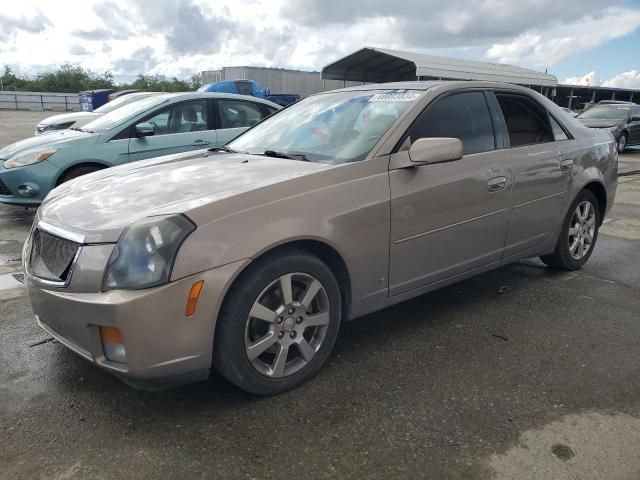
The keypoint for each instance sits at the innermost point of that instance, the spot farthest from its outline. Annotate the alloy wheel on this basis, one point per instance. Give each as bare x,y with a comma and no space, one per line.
582,230
622,143
287,324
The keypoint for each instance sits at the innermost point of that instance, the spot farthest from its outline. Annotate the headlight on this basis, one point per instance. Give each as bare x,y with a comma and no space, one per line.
145,252
613,129
29,157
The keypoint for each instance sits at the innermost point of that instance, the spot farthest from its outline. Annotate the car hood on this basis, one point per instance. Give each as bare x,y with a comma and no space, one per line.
102,204
44,141
85,117
596,123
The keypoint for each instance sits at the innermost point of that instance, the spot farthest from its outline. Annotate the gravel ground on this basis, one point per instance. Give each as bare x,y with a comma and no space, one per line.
520,373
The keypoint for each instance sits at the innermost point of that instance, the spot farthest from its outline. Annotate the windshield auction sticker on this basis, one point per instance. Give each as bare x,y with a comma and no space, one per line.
395,97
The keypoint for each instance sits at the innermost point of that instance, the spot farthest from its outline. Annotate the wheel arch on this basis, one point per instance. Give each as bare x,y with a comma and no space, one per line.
328,254
600,193
84,163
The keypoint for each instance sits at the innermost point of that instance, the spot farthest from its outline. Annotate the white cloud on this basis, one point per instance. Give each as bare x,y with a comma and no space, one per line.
181,37
548,47
630,79
589,79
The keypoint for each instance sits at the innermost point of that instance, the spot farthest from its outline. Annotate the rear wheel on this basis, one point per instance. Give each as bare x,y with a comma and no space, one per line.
578,235
78,172
279,323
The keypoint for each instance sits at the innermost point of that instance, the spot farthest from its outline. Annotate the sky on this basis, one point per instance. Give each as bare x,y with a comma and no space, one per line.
578,41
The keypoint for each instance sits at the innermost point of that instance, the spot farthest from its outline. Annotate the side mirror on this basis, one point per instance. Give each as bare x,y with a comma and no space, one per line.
145,129
435,150
635,118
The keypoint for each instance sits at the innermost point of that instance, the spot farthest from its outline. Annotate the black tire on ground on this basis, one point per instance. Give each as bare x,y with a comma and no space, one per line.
621,144
230,356
78,172
561,258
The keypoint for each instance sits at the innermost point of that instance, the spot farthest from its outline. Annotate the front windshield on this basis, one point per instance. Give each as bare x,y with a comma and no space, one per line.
119,115
120,101
606,113
330,128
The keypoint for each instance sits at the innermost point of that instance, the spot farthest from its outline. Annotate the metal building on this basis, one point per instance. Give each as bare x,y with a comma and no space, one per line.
371,64
382,65
277,80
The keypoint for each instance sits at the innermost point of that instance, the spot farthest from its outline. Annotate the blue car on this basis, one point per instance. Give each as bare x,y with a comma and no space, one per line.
151,127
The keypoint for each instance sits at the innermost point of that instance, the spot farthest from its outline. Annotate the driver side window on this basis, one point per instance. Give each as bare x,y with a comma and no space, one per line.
462,115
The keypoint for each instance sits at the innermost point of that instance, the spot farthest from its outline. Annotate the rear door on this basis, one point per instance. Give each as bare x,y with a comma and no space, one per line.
179,127
449,218
542,156
235,116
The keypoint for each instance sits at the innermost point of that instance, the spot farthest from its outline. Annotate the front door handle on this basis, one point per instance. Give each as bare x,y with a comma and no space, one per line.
566,165
497,184
199,143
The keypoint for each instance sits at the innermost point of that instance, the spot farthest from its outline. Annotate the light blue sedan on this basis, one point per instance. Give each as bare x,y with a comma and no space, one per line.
155,126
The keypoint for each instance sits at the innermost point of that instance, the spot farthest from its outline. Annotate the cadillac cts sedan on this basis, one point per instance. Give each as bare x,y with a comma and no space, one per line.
148,127
248,257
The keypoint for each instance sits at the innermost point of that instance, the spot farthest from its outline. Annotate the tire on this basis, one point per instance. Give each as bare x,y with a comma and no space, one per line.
260,324
621,144
569,253
78,172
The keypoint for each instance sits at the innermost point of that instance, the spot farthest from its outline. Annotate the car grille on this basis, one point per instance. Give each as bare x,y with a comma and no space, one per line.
50,257
4,190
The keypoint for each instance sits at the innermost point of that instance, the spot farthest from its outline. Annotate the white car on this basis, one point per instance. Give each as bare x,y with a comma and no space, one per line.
78,119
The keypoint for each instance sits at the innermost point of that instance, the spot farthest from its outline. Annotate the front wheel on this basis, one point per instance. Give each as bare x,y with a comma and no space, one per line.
622,143
578,235
279,324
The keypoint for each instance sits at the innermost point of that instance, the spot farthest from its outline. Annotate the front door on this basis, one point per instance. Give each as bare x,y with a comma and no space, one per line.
179,128
449,218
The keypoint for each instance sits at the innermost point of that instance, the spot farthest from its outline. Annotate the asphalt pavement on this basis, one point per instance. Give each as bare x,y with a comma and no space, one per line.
521,373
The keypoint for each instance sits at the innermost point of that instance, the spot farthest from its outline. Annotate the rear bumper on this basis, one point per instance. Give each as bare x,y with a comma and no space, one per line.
163,346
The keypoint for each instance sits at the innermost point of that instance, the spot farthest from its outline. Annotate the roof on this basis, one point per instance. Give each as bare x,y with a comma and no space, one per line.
186,95
370,64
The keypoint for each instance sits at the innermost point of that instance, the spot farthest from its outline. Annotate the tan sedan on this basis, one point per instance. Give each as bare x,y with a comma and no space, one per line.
247,258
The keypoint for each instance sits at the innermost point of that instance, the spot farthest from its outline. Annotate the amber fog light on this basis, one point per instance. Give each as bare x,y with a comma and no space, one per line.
113,344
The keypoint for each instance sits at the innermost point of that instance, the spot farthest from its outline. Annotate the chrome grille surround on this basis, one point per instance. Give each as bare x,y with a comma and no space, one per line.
51,254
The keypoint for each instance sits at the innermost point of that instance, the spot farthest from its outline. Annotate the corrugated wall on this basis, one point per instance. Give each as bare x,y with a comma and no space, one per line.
278,80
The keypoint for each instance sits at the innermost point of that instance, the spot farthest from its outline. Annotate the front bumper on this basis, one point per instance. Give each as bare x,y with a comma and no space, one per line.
39,177
162,344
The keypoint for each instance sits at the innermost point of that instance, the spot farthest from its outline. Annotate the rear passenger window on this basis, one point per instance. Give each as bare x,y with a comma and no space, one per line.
558,131
238,113
527,122
464,116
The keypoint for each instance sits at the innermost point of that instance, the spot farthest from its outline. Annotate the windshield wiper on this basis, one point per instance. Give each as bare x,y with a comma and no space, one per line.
290,156
222,148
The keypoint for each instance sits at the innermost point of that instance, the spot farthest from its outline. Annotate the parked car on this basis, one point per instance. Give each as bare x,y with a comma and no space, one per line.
247,258
250,87
621,119
158,125
569,111
582,107
80,119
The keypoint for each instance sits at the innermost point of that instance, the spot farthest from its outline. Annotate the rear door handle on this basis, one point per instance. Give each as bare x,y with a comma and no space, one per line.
497,184
199,143
566,165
